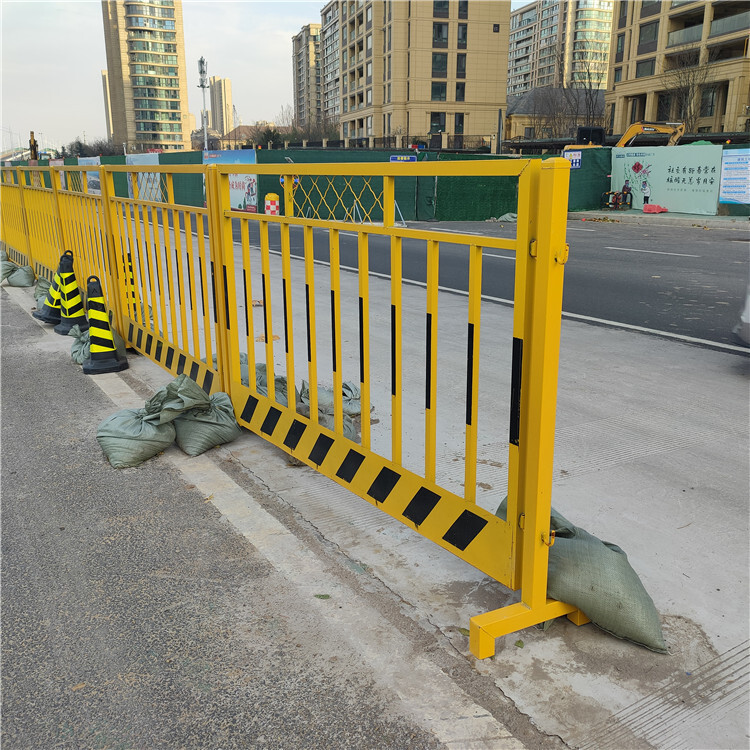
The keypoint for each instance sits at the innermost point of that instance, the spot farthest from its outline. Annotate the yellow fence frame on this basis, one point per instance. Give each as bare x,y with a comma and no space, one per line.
167,284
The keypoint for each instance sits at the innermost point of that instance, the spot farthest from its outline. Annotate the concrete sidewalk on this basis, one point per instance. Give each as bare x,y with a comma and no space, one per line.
635,216
651,454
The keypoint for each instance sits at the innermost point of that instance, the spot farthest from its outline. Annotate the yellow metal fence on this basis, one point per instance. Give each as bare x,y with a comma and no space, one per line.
209,291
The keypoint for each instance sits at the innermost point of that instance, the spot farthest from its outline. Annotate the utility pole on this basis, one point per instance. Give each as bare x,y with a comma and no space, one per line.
203,84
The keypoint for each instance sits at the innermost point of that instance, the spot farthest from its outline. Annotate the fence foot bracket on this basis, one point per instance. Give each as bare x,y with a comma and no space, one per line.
484,629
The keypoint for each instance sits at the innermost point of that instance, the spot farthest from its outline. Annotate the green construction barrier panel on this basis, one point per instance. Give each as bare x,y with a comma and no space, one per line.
188,188
341,192
467,198
120,178
592,179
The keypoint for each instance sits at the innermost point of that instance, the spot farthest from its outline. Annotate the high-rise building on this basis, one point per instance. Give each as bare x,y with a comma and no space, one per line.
221,104
330,53
107,104
559,43
683,60
306,76
423,68
147,75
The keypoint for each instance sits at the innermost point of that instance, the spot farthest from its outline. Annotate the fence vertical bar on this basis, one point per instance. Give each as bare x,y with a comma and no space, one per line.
286,280
472,372
396,362
312,345
431,347
167,220
21,181
247,291
364,335
265,261
338,413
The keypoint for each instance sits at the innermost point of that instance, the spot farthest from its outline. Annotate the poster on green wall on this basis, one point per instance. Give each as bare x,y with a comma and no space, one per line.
149,183
682,179
243,188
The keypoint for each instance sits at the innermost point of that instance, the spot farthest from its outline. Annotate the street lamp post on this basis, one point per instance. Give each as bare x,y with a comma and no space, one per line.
203,84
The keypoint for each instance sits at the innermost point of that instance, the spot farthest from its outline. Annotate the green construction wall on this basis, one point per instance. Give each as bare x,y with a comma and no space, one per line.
120,178
188,188
347,188
589,182
467,198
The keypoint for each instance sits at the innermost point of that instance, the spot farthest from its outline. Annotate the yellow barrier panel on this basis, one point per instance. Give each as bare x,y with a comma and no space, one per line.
205,290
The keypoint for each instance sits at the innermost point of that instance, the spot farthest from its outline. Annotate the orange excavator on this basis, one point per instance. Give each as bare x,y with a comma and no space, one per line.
675,131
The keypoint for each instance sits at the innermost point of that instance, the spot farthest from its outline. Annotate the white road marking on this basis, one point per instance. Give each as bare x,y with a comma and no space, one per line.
653,252
576,229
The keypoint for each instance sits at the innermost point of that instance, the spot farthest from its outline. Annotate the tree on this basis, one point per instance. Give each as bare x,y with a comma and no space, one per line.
99,147
684,79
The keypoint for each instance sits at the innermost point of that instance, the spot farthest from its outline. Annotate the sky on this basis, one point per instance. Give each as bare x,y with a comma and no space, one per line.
53,54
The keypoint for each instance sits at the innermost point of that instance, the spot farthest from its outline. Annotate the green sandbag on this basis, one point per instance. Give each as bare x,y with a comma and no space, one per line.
177,397
41,290
131,436
200,429
79,350
350,398
23,276
596,577
7,267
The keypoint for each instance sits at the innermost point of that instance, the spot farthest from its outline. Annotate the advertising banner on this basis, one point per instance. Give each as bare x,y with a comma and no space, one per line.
243,188
682,179
735,176
59,163
149,183
93,179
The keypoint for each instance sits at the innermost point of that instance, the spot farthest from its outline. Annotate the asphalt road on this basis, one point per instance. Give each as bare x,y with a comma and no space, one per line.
688,281
133,616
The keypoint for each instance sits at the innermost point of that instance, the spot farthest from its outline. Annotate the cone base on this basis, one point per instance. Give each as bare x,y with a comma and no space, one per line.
100,366
64,326
46,317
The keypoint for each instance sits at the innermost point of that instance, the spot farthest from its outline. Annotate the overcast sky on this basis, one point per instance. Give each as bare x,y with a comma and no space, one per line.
53,54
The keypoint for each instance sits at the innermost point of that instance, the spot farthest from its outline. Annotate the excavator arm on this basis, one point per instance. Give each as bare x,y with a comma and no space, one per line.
675,130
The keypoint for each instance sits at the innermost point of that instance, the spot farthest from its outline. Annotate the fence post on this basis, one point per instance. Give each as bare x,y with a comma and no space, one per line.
542,253
27,234
548,254
389,201
220,248
118,291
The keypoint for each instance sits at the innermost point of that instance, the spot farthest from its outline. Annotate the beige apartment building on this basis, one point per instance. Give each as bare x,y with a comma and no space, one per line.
680,60
306,76
146,75
420,68
561,43
222,119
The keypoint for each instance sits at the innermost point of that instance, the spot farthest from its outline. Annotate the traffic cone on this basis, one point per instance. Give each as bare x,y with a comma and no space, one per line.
71,304
103,354
50,310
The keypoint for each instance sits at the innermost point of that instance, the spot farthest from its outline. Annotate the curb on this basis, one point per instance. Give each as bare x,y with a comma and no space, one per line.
711,222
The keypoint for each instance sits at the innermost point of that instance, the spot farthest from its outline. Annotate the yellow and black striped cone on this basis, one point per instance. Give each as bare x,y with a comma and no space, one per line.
50,310
71,304
103,354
